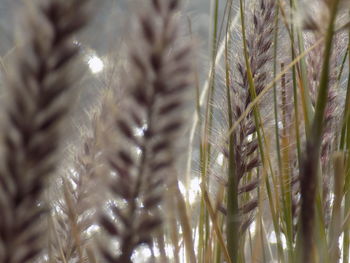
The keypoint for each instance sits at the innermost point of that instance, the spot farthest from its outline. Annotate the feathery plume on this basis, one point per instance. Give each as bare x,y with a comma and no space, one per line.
259,44
81,194
243,145
39,97
155,98
315,60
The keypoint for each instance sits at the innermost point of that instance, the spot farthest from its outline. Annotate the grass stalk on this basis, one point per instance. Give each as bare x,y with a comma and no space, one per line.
345,146
309,169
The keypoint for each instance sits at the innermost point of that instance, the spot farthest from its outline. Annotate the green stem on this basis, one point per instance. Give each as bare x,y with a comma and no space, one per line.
310,165
232,219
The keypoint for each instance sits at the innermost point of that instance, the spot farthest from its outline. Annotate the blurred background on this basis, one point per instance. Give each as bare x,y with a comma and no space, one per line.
103,43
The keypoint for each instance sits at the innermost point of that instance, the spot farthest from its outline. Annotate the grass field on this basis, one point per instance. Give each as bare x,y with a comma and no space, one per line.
247,161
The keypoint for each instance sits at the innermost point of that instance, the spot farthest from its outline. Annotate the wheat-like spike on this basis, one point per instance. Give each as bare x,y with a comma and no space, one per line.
72,220
314,70
259,43
39,99
77,206
156,92
315,60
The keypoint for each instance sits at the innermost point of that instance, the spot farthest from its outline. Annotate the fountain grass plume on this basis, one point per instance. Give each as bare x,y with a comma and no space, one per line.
40,93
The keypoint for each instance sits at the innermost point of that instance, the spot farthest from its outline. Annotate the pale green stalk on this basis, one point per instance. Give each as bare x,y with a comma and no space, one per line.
304,85
205,151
